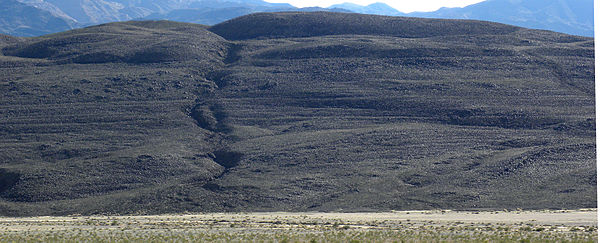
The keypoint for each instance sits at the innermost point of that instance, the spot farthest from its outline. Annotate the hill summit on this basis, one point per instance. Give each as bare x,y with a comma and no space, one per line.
301,24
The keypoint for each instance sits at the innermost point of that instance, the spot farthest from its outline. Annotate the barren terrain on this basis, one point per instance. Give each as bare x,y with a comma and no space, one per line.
296,112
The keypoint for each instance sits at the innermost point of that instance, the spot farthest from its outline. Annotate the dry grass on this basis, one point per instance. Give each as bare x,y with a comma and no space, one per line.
404,226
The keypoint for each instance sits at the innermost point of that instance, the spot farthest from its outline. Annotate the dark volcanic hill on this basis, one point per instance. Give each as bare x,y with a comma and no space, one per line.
292,24
296,112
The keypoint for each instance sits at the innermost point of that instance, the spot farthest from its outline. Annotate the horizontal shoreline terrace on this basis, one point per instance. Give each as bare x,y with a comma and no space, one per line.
580,217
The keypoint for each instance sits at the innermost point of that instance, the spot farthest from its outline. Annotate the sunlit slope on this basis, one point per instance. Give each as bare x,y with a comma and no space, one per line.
296,111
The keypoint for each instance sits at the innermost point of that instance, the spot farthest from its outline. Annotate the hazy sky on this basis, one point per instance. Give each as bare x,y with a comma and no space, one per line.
402,5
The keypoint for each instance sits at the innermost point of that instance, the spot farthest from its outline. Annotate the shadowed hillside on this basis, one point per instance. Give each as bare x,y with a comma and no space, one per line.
296,112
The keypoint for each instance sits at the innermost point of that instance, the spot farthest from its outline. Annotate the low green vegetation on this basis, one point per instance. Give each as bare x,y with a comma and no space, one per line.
458,235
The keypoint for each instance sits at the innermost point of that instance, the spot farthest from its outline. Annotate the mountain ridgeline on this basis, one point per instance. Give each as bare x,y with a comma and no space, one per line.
20,19
40,17
296,111
575,17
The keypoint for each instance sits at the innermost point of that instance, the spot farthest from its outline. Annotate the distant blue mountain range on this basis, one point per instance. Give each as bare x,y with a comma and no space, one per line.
574,17
375,8
39,17
20,19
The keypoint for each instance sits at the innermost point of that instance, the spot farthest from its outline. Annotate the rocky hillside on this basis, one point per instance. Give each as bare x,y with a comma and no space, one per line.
296,112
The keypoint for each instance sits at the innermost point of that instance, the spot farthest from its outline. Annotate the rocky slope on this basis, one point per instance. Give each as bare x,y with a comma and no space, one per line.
296,112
